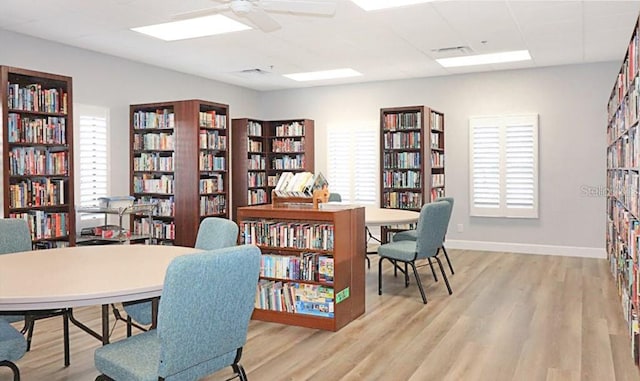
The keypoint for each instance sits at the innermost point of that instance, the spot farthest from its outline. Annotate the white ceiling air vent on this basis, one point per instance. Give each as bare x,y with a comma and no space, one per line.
452,51
252,73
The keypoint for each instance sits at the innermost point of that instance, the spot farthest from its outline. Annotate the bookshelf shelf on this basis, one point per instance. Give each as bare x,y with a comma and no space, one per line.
260,152
186,141
623,187
411,156
305,297
37,120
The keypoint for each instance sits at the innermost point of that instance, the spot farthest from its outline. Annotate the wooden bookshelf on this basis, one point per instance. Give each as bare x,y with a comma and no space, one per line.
262,153
37,153
340,236
411,157
179,159
623,187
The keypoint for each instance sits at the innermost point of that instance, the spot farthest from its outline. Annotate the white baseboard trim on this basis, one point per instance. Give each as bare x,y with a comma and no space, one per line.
523,248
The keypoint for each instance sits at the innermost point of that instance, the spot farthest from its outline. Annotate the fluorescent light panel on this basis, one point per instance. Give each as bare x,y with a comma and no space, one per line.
325,74
485,59
192,28
373,5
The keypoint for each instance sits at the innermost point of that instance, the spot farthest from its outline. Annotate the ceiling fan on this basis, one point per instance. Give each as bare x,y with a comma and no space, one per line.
256,10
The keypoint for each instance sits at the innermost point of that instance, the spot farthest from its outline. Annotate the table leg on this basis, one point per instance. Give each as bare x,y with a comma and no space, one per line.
155,302
65,332
105,324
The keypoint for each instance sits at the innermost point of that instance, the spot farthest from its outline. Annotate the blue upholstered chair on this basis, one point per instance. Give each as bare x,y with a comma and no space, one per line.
335,197
432,226
204,314
213,233
411,235
16,237
12,347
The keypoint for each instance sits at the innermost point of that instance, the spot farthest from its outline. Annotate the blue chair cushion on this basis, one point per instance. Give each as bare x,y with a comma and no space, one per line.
133,359
140,312
402,250
407,235
12,344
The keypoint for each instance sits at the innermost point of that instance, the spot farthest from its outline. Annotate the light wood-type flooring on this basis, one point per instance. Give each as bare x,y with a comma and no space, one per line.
511,317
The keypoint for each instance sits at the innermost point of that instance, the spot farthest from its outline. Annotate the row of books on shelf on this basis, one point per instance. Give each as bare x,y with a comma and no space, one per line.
147,183
437,180
308,266
257,196
301,184
213,205
49,130
402,200
254,145
299,235
437,159
156,229
254,128
437,193
290,129
45,225
164,207
435,140
623,185
626,115
212,140
154,141
28,161
147,161
401,179
36,98
42,192
287,145
256,179
402,121
159,119
402,140
256,162
214,184
288,162
407,160
212,119
209,161
295,298
437,121
628,72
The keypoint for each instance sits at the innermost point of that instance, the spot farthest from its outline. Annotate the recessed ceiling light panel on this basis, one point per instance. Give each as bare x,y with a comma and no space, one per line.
325,74
374,5
485,59
192,28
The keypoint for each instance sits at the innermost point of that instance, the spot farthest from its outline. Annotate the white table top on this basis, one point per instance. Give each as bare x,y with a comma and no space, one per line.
83,275
384,216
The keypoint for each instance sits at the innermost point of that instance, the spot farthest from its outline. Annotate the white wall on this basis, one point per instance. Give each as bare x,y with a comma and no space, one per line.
115,83
571,102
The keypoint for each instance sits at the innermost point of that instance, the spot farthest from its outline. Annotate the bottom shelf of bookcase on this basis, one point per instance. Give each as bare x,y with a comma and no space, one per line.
301,320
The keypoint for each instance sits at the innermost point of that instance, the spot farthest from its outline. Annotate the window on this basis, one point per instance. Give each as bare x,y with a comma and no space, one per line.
352,162
504,166
92,156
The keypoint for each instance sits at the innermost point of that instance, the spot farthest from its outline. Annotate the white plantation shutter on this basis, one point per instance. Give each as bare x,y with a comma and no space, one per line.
92,157
504,166
352,162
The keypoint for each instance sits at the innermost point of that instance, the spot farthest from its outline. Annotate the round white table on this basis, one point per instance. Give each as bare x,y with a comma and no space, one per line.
385,216
84,275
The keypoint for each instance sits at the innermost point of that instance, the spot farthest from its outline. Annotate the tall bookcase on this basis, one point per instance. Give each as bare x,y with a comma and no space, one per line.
623,185
311,273
37,154
411,157
179,160
262,150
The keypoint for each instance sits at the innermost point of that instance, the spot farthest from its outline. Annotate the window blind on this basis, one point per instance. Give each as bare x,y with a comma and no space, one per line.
504,166
92,160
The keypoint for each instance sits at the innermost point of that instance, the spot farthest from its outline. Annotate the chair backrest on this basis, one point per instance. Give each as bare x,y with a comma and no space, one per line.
14,235
432,227
335,197
207,301
216,233
450,201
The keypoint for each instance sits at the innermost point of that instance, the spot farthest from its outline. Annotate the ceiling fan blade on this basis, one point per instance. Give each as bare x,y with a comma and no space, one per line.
262,20
200,12
298,6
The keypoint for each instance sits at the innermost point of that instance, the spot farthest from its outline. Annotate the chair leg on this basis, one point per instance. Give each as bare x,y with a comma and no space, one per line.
380,275
65,333
102,377
129,325
13,367
444,275
366,256
433,271
448,261
30,323
415,272
239,370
